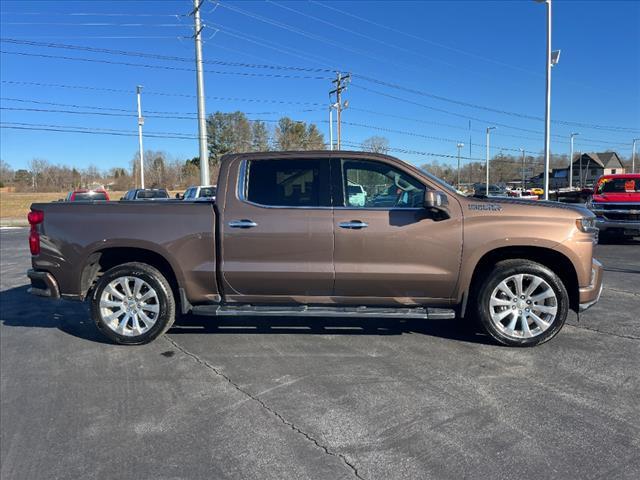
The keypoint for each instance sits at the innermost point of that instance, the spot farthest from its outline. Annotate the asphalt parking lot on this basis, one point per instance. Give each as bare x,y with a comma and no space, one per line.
297,399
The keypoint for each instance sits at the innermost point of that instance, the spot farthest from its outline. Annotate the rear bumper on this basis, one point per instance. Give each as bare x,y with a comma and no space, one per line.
43,284
590,294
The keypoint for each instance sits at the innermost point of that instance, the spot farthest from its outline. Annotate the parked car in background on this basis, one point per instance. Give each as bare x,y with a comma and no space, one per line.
146,194
283,238
201,191
87,195
616,204
357,195
480,189
536,191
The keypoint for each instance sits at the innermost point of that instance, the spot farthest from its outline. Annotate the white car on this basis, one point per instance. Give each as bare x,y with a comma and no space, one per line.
202,191
357,195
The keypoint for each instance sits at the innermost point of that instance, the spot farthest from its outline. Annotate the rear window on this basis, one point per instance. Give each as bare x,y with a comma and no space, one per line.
153,194
89,196
619,185
207,192
289,183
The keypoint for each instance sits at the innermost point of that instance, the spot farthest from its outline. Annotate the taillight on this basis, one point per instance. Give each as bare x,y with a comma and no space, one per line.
35,218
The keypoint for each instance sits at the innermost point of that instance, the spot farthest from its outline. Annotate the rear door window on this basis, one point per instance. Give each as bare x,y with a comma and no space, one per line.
289,183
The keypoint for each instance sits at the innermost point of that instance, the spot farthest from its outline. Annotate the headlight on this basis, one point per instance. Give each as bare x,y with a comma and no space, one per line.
587,224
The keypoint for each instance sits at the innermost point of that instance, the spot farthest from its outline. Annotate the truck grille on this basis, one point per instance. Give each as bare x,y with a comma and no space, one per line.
631,217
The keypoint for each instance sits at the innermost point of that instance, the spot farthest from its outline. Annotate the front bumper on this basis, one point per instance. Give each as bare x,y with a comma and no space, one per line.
589,295
630,226
43,284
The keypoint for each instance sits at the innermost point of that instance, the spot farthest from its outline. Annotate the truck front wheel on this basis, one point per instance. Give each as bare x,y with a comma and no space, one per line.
133,304
522,303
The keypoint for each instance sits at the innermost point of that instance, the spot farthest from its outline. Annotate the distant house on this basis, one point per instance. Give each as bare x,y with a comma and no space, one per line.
591,166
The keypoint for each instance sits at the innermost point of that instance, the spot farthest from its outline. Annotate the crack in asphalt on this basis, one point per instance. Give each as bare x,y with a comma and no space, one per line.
622,291
602,332
351,466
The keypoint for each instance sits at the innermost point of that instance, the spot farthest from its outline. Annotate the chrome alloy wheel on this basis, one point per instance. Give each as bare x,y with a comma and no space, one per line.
523,306
129,306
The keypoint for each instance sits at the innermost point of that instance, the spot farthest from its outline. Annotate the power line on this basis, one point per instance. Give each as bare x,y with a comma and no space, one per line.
162,67
95,14
156,56
166,94
96,24
362,35
94,131
148,113
288,67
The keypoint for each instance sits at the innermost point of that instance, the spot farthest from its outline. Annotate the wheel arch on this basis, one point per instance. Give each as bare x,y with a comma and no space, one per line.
104,259
555,261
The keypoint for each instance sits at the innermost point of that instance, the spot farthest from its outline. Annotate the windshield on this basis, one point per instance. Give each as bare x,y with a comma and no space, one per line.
441,182
619,185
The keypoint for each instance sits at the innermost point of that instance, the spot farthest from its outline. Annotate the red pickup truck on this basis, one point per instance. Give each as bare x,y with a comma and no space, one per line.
616,204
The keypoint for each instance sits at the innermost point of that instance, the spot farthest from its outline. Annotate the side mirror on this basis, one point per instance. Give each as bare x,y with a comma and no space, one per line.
434,199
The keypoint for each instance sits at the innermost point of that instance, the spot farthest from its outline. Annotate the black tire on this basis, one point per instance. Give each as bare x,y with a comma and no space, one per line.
166,305
505,269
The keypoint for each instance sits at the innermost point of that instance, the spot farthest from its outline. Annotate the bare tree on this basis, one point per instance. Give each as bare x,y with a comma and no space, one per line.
375,144
6,173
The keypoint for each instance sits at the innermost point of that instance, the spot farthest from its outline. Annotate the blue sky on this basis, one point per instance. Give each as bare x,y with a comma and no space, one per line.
448,62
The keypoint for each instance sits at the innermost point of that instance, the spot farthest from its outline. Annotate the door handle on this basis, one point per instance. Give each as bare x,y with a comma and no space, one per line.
353,225
244,223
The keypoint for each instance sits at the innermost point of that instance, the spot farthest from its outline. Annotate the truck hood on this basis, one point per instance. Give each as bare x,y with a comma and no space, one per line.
621,197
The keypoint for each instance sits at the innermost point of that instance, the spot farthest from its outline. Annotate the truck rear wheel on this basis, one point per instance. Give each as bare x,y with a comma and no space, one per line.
133,304
522,303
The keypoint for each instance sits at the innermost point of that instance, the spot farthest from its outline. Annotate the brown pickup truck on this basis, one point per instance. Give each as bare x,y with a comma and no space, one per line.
320,234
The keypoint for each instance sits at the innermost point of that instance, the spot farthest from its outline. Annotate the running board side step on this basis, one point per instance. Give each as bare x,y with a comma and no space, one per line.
308,311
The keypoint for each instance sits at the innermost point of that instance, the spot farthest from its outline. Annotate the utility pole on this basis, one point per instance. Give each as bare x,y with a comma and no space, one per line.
523,182
571,162
581,182
202,123
460,145
340,83
552,59
487,169
470,156
633,156
140,124
331,107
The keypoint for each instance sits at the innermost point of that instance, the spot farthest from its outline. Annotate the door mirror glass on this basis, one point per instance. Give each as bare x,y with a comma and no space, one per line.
434,199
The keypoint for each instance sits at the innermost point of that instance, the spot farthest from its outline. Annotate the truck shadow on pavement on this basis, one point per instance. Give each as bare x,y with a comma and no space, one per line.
19,309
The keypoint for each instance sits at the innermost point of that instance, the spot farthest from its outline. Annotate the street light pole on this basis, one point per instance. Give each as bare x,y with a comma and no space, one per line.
633,156
547,113
202,120
523,182
140,124
460,145
571,162
487,169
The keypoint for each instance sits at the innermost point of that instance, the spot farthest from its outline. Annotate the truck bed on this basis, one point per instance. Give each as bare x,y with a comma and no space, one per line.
76,236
